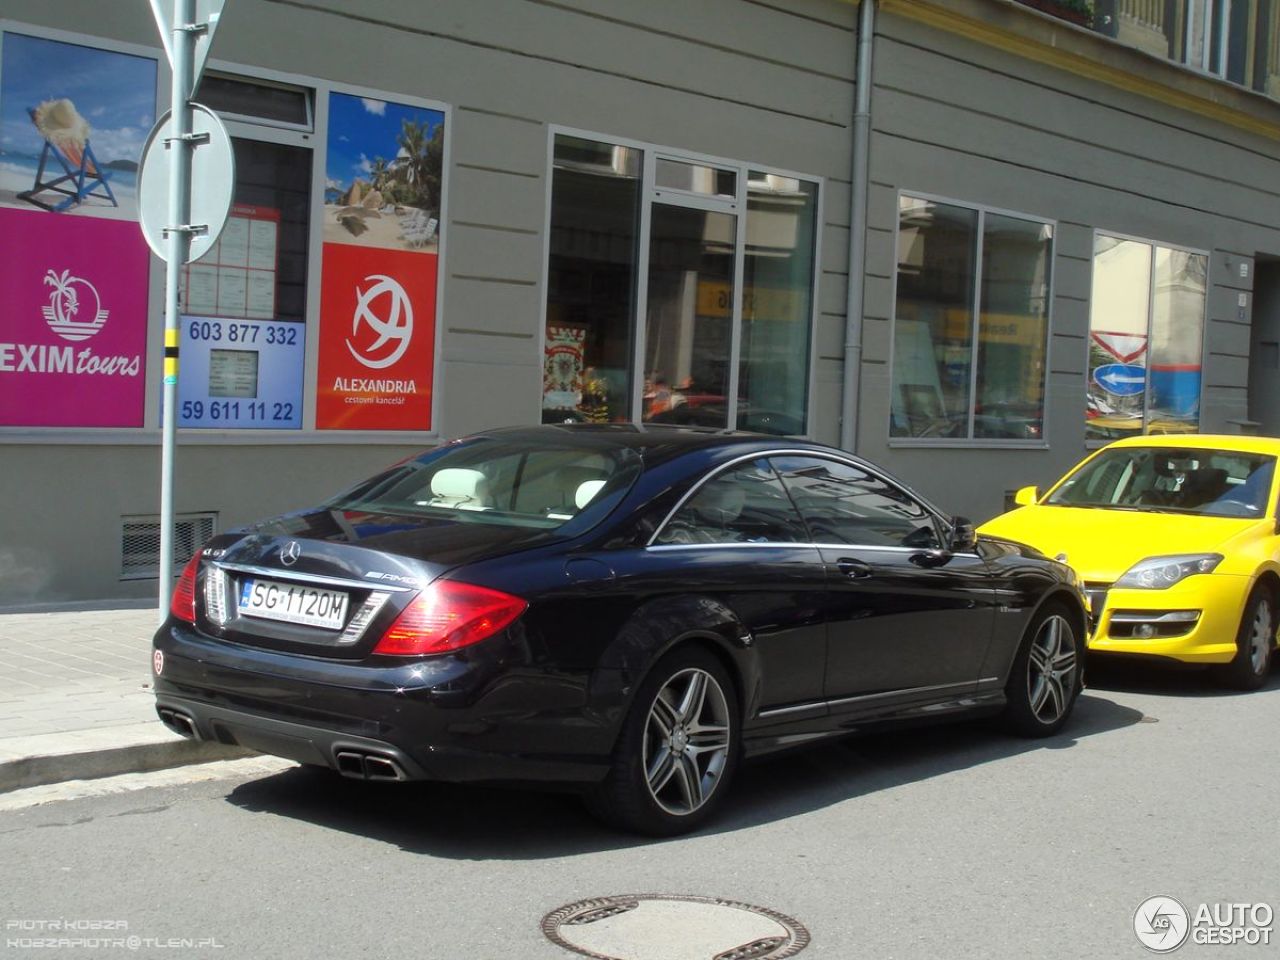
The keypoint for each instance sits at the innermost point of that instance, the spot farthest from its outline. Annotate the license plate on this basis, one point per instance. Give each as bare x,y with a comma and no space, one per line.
293,603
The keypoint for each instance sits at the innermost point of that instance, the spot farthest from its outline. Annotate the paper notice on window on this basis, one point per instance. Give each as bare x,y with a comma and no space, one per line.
211,255
232,291
262,244
234,243
261,296
233,373
202,290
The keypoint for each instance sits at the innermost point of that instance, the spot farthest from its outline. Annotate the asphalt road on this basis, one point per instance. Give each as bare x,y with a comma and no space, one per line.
952,842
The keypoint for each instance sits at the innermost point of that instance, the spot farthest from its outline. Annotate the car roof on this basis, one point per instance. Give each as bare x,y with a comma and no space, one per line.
1206,441
672,439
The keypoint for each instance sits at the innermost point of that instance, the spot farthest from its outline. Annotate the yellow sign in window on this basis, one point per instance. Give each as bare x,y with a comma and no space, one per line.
715,299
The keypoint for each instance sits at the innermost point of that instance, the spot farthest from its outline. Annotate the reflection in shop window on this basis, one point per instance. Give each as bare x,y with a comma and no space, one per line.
595,213
688,330
1146,333
1012,329
967,277
777,304
702,218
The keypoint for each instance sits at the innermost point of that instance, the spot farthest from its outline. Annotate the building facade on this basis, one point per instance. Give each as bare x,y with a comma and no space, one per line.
452,216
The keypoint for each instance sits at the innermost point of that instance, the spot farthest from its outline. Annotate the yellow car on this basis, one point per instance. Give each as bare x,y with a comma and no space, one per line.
1177,543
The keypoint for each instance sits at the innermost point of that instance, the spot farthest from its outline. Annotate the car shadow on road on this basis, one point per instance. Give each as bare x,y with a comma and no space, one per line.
468,822
1168,679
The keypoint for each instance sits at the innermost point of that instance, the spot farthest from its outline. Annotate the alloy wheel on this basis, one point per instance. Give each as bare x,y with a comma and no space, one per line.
1051,669
686,741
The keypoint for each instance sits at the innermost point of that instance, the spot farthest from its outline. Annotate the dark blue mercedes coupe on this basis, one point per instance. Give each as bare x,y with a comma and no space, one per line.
627,611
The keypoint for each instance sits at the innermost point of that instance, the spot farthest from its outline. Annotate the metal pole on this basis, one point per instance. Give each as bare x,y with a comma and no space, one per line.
184,39
857,228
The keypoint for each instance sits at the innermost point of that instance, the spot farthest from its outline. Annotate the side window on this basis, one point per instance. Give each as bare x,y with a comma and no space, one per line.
842,504
745,504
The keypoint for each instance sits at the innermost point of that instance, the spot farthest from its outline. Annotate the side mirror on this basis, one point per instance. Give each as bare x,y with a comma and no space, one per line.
1026,496
963,537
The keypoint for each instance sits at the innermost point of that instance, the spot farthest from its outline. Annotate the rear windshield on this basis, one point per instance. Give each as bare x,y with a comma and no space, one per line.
499,482
1223,483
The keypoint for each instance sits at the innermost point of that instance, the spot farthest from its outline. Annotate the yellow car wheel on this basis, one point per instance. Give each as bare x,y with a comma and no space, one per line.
1254,642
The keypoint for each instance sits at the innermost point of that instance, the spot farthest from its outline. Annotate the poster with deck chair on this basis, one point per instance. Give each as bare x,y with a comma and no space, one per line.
73,121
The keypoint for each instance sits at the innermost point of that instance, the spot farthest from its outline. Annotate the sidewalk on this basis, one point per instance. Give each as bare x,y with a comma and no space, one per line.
76,699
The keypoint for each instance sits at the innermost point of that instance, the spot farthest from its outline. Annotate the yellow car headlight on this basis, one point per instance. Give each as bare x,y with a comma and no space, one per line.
1159,573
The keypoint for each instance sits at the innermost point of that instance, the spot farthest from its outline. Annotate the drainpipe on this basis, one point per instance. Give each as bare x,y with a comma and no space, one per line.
857,227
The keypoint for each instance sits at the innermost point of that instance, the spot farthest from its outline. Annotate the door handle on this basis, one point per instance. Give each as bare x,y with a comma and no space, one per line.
853,569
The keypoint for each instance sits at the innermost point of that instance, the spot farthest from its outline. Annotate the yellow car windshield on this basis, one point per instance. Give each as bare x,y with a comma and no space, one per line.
1225,483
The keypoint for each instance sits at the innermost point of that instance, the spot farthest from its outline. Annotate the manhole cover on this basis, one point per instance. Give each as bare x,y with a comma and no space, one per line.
660,926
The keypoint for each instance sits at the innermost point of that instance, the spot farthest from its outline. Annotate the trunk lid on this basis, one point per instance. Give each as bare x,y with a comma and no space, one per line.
328,582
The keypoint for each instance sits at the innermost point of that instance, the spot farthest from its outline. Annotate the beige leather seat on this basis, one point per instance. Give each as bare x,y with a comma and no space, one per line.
459,488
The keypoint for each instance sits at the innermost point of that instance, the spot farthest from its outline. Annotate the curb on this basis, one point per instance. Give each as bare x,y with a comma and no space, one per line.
90,755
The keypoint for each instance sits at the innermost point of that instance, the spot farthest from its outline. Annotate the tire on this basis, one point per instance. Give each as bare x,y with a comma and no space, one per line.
1255,641
686,714
1045,678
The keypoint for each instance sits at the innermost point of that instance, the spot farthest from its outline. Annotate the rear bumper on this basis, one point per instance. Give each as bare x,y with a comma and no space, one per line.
448,718
302,742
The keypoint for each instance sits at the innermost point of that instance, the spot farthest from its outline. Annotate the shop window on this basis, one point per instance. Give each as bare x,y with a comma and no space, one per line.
1146,334
244,302
688,335
695,178
595,223
719,349
971,324
256,101
777,302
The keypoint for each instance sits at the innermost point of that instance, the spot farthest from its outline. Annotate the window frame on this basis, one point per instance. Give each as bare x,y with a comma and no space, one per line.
982,210
1215,18
1097,442
736,206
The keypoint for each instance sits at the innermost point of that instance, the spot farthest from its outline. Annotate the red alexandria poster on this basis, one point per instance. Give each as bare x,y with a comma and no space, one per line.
382,215
377,339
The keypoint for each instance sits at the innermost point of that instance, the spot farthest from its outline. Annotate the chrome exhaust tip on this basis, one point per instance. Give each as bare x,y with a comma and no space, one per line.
178,722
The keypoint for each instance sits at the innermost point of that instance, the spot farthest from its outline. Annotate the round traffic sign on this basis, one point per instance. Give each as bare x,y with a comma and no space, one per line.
1121,379
213,175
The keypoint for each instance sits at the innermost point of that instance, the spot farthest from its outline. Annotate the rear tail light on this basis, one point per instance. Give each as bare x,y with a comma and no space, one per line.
446,616
183,604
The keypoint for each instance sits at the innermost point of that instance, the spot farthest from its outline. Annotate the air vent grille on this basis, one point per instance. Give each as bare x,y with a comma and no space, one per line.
140,543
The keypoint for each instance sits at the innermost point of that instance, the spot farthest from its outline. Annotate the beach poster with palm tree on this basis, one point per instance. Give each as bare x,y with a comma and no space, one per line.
383,172
379,265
